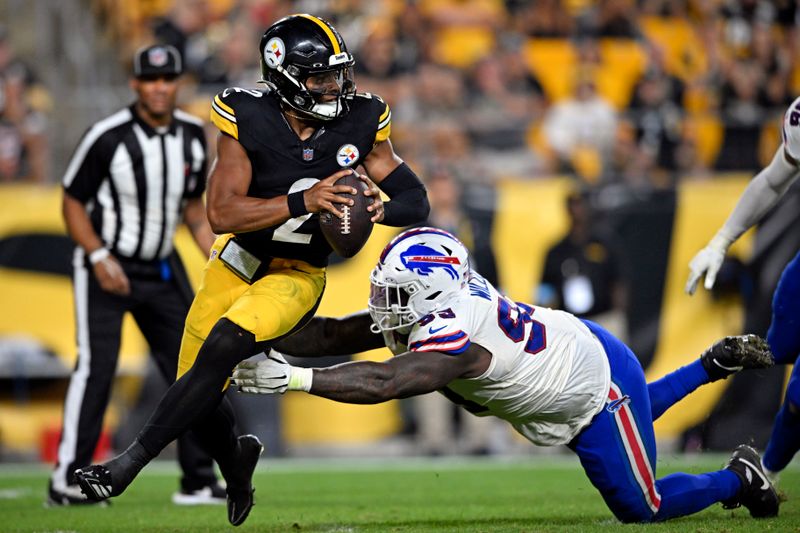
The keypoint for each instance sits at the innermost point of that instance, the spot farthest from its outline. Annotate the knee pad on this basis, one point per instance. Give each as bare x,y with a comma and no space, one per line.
227,345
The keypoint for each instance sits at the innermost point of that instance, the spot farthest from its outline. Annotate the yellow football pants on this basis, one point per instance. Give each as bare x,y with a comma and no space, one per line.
269,308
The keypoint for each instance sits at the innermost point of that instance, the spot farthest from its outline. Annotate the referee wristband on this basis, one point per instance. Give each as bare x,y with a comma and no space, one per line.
297,205
101,254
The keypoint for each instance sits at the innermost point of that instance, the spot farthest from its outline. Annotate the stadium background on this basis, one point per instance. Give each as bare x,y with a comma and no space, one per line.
695,91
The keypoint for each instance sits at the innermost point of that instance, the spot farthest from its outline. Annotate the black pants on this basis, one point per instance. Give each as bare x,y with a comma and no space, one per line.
159,308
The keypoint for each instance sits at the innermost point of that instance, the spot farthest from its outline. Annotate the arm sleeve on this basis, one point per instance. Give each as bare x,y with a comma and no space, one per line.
408,199
760,196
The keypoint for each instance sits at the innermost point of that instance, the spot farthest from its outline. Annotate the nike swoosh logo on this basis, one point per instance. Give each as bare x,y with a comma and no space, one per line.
432,331
728,368
764,480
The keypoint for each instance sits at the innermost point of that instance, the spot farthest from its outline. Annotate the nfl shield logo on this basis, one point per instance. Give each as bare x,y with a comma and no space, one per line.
157,57
308,154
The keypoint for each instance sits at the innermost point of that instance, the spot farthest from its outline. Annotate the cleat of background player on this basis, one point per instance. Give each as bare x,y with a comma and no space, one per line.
732,354
240,488
757,494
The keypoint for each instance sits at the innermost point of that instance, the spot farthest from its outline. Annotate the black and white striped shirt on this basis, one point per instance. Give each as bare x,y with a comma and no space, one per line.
135,180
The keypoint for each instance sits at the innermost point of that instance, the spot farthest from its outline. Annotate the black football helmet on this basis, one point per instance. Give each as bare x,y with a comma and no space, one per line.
298,47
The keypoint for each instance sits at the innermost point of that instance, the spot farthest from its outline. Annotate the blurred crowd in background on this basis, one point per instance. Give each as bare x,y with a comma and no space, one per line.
634,92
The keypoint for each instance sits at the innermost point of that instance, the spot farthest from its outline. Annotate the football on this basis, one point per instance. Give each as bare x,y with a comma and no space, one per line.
348,234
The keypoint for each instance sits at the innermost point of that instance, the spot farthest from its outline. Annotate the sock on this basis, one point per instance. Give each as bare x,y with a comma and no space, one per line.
784,441
684,494
667,391
126,466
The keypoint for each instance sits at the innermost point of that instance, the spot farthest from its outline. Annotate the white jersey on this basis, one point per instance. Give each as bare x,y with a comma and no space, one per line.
791,130
549,375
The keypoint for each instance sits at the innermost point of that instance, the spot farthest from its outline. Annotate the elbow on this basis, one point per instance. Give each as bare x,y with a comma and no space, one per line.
217,220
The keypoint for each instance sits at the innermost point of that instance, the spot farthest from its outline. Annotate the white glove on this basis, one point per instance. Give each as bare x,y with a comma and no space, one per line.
707,261
271,375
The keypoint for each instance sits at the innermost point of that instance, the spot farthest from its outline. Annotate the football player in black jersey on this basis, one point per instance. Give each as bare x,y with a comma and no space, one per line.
279,154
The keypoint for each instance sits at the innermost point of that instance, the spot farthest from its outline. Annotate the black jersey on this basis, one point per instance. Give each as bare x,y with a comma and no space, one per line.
282,163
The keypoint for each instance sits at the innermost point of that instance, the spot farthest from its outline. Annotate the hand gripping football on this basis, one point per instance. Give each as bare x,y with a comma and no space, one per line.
348,234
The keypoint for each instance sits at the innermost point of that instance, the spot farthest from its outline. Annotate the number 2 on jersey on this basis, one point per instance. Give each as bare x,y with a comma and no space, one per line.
514,328
287,232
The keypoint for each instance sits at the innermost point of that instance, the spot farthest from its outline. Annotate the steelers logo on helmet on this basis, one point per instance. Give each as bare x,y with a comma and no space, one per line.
347,155
274,52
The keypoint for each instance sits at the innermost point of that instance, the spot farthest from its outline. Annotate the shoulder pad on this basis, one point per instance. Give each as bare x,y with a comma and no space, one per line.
441,331
231,104
383,115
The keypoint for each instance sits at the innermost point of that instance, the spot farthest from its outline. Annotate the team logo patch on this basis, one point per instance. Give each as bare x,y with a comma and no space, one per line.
157,57
308,154
274,52
616,405
347,155
423,259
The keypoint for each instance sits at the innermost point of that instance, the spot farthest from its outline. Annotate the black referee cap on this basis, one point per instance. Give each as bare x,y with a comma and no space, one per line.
157,59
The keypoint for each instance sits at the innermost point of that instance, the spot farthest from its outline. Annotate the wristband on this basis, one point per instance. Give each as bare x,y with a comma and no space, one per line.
297,204
101,254
300,379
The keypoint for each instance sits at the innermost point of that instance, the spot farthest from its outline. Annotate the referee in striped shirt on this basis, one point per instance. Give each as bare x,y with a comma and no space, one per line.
134,177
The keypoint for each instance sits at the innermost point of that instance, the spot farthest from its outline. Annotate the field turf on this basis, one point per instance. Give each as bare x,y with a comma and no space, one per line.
532,494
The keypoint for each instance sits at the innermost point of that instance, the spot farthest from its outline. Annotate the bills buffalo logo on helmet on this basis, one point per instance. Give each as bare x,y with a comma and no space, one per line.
423,259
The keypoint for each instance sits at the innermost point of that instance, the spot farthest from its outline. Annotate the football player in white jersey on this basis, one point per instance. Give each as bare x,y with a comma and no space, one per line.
555,378
783,337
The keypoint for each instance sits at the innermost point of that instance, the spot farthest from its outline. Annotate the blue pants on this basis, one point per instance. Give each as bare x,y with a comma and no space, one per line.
618,450
784,340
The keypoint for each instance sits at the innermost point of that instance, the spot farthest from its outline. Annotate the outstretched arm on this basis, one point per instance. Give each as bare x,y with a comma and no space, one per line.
759,197
364,382
324,336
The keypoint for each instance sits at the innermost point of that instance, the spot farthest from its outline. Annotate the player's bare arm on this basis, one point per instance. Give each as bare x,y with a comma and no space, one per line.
194,216
364,382
324,336
106,268
231,210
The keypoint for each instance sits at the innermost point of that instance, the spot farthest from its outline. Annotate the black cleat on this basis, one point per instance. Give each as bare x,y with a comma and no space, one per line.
240,490
757,493
733,354
95,482
69,495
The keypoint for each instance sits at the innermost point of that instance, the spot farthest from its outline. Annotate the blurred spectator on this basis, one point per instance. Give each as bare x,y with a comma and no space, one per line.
583,273
616,19
464,30
24,150
658,121
184,29
547,18
232,64
505,98
743,117
580,130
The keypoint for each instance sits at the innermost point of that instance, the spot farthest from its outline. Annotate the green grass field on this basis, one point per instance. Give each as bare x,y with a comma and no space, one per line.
533,494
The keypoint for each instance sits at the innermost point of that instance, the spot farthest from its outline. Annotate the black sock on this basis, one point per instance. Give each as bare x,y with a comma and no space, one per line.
126,466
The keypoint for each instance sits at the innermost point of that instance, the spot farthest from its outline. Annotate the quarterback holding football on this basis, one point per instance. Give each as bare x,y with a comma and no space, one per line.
281,152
